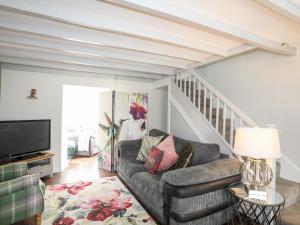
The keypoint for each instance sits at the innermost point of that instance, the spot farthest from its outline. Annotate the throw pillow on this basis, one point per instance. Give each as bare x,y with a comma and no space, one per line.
153,160
185,157
170,156
147,143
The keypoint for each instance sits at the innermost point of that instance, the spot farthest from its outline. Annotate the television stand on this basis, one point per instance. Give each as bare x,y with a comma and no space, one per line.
41,163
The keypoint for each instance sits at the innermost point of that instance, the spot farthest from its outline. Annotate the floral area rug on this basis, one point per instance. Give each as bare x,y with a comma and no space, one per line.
106,201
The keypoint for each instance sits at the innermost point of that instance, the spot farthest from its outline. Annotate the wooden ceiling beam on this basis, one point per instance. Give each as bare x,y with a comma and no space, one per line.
11,50
89,51
66,32
93,16
77,67
172,12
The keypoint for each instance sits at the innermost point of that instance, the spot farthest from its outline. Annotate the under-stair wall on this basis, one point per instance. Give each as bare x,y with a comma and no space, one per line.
179,126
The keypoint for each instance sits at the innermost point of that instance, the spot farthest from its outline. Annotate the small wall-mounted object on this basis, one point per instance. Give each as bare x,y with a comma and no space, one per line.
33,94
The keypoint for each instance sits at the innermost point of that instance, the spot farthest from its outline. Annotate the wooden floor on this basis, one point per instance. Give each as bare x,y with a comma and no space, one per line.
79,169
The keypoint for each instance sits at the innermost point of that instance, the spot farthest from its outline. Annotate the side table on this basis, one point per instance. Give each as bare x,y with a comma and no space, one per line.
254,211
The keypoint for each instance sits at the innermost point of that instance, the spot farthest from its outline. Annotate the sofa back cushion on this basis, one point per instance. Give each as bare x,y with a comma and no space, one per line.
185,157
204,152
147,143
178,142
170,156
153,160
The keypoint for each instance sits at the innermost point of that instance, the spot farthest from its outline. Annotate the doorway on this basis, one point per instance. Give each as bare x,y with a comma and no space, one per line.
95,119
80,119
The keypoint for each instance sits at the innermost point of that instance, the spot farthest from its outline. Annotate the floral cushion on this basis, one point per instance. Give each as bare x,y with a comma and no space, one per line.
185,157
170,156
147,143
153,160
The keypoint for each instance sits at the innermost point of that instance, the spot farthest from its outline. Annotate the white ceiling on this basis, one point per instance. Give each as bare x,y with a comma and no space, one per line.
137,38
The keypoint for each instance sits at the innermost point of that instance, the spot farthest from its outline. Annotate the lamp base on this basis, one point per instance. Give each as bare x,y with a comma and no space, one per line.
257,173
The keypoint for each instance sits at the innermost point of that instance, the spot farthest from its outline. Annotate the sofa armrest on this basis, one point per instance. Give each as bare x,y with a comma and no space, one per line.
200,174
19,184
12,171
129,149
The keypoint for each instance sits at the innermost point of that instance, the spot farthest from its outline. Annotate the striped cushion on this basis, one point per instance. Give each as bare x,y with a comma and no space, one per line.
11,171
147,143
18,184
21,205
21,195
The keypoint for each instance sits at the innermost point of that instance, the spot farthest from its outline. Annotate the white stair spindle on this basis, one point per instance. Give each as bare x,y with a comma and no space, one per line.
204,103
190,87
210,106
231,128
179,81
185,83
241,122
199,95
224,119
217,114
194,92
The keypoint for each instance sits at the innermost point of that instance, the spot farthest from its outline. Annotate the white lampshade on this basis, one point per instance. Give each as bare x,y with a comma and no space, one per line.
259,143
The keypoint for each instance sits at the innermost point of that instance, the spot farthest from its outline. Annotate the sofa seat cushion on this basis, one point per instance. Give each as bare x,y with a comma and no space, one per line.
128,167
147,185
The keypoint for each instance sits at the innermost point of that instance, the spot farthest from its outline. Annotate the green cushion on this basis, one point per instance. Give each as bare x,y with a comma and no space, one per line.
185,157
147,143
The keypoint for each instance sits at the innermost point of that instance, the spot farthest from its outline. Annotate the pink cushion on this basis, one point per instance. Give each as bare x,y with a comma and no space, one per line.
170,156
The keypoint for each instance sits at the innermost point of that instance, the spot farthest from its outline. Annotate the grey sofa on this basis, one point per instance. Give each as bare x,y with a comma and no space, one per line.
188,196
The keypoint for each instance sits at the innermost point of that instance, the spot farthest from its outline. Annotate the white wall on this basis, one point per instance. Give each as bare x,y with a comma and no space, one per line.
15,86
158,109
267,88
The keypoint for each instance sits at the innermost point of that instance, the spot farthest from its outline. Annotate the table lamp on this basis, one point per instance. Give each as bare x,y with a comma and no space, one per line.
258,144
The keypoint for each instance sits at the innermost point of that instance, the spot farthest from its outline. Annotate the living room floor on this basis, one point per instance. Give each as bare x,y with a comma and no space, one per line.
79,169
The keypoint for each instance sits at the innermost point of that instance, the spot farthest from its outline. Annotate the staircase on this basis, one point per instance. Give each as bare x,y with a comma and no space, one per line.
221,116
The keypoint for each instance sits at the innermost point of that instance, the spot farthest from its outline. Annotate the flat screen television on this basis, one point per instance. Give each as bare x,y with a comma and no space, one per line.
24,137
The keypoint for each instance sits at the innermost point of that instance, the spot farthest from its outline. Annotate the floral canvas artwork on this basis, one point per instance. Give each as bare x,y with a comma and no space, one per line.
136,126
105,201
130,124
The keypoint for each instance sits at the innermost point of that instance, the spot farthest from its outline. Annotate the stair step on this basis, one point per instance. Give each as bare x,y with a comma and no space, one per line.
290,214
289,189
